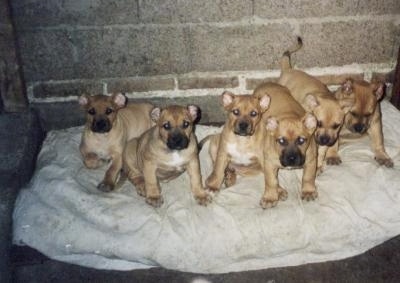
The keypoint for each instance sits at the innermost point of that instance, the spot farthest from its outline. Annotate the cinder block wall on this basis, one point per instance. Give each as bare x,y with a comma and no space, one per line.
185,48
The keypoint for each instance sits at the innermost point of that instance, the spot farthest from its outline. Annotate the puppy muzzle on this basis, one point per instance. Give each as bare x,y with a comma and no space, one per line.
359,128
101,126
177,141
325,140
243,128
292,158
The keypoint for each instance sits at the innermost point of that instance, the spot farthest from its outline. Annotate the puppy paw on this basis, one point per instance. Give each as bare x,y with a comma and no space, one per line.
155,201
268,203
282,194
92,161
334,160
309,195
138,182
230,177
105,187
203,199
388,162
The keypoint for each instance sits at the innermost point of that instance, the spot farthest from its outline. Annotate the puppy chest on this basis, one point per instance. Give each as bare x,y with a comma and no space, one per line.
241,154
100,146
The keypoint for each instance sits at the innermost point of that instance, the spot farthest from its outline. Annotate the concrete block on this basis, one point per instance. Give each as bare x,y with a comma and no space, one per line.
192,11
140,84
65,89
251,84
344,43
256,47
39,13
209,82
310,8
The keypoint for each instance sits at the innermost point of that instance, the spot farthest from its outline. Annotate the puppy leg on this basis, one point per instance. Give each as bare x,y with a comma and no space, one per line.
376,135
273,192
92,160
152,188
214,181
199,193
308,189
111,175
322,149
332,155
230,177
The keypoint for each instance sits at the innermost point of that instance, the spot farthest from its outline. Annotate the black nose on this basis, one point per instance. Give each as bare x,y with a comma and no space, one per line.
243,126
101,126
177,141
292,158
323,140
359,128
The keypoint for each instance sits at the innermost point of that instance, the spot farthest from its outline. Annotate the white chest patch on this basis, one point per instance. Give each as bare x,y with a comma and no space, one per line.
100,145
177,160
240,155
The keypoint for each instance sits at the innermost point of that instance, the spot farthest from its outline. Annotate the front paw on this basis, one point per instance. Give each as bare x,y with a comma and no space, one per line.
203,198
138,182
388,162
212,184
271,198
105,187
309,193
230,177
333,160
92,161
155,201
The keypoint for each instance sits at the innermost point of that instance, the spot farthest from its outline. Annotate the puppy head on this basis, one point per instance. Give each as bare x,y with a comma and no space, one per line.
101,110
175,124
329,113
245,111
366,97
291,138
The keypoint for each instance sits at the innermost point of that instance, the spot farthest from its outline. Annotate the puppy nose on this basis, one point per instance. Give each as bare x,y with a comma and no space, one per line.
243,126
359,128
323,140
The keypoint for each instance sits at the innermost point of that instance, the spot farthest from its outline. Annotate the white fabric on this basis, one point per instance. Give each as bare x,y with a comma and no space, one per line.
63,215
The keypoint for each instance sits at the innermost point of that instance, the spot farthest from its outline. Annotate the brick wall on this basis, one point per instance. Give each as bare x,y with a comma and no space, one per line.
185,48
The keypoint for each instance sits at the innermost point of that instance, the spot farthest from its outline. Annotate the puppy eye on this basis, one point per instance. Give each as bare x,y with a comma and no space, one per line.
236,112
335,126
319,123
353,113
91,111
185,124
253,113
300,140
281,141
109,111
167,126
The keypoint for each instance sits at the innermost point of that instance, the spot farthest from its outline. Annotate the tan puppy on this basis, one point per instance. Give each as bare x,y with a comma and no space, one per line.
110,122
238,148
316,98
164,152
364,118
289,143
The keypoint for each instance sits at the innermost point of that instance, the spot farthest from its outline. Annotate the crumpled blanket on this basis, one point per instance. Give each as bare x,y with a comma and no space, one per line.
63,215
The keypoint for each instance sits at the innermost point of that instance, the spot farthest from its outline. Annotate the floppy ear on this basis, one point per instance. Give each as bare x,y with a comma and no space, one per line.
264,102
155,114
272,124
84,100
310,122
119,100
227,98
194,112
310,102
379,89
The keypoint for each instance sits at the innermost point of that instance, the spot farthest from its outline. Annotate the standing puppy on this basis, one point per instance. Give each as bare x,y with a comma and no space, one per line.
238,148
288,143
364,118
316,98
110,122
164,152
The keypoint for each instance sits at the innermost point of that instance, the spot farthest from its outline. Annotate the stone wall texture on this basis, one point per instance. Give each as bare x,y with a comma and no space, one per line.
175,48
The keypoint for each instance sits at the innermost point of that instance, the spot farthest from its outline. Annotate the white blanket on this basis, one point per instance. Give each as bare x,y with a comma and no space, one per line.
63,215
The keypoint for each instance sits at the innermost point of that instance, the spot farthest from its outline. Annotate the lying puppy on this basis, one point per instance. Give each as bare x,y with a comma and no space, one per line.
316,98
288,143
364,118
164,152
110,122
238,148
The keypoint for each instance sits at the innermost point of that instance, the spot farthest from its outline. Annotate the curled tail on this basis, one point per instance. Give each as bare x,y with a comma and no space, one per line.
285,61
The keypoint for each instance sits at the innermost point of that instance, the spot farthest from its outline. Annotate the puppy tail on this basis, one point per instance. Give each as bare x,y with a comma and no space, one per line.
285,61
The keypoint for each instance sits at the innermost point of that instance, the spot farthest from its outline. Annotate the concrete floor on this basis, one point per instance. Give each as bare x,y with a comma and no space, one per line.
20,139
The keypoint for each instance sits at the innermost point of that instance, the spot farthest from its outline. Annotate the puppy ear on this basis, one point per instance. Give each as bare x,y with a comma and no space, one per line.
155,114
84,100
379,89
346,103
227,98
311,102
265,100
194,112
119,99
272,124
310,122
347,86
